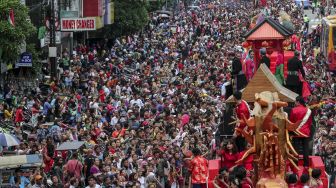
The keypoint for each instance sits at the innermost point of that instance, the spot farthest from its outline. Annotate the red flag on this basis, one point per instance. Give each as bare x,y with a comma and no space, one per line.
11,17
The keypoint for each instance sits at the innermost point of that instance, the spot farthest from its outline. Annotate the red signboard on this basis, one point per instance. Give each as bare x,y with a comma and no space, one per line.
78,24
92,8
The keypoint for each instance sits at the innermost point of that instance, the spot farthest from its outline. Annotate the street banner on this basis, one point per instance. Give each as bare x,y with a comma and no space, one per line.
26,60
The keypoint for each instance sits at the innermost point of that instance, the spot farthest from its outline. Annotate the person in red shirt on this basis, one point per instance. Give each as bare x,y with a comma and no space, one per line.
198,169
74,166
246,182
228,155
302,113
242,110
101,95
19,115
248,162
222,179
119,132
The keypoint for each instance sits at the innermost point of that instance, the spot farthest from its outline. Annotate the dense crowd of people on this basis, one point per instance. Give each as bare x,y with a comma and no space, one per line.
153,100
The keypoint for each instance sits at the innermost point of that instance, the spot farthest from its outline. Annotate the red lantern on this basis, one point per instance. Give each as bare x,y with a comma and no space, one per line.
285,43
264,44
245,44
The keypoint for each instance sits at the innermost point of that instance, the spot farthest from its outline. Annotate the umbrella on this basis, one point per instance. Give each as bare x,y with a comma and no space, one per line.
47,124
8,140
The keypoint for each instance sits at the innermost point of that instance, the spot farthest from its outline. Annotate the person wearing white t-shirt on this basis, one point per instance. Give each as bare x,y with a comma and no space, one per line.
118,90
92,183
115,119
137,102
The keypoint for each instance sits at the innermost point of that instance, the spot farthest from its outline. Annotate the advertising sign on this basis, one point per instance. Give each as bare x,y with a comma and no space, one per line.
92,8
26,60
69,14
78,24
46,40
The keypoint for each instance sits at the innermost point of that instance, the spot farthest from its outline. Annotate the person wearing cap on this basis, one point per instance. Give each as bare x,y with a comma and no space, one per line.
302,113
294,68
38,182
238,76
264,59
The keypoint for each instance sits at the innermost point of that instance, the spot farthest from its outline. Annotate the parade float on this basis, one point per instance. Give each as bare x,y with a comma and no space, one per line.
272,151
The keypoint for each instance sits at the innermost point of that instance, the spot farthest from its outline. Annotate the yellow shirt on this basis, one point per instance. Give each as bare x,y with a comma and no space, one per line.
8,114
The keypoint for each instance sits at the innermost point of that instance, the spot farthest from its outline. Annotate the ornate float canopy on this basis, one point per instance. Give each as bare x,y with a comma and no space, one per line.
266,30
264,80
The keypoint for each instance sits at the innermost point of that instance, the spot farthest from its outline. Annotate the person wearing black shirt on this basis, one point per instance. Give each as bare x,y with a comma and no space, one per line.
238,76
264,59
294,66
89,160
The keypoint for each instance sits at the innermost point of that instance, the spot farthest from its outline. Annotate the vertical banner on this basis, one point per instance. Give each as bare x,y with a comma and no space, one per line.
112,12
108,12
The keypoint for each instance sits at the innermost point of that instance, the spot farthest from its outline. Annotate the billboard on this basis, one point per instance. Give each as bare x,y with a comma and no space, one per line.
78,24
92,8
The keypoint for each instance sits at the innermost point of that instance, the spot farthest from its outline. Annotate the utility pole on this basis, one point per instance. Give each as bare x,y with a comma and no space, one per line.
52,46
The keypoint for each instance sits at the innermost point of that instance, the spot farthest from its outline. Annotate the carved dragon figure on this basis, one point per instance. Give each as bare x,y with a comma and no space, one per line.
270,153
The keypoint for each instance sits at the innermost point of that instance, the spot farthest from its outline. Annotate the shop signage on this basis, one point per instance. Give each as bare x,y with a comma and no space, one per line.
46,40
78,24
26,60
68,14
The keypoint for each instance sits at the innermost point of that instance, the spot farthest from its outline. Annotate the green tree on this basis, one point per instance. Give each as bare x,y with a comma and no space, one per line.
130,16
37,65
154,5
11,37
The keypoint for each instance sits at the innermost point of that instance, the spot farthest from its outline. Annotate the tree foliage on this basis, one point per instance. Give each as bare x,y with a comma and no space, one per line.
11,37
130,16
154,5
37,65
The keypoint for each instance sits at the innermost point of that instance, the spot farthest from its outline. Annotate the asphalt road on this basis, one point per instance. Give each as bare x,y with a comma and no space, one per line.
312,17
314,20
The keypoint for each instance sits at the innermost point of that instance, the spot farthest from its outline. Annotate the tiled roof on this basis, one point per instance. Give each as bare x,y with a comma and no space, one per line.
268,29
264,80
